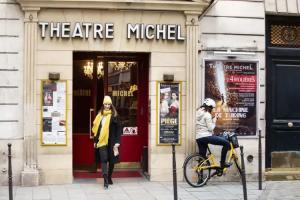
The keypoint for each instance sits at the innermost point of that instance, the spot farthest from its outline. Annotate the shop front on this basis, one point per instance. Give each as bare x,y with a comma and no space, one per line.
101,48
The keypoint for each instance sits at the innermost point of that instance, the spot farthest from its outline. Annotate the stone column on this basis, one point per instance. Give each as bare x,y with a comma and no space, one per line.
30,174
192,73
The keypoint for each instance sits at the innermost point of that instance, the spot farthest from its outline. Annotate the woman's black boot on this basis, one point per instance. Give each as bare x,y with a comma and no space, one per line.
110,171
110,180
105,181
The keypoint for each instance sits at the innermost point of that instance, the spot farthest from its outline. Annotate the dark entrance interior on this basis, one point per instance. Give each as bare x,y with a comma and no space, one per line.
123,76
283,96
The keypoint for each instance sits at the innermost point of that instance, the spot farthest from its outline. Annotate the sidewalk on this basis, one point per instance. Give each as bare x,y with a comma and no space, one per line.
142,189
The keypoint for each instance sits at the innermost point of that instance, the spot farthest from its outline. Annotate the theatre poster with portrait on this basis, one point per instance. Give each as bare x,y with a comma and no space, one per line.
168,113
233,85
54,113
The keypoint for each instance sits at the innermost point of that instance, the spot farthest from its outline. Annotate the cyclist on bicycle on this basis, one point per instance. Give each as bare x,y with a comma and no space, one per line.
205,124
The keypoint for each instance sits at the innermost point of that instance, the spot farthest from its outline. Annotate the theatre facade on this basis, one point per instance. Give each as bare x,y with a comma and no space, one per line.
157,60
75,52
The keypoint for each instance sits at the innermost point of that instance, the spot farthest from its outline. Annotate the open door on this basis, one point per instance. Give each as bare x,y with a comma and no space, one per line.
125,78
88,89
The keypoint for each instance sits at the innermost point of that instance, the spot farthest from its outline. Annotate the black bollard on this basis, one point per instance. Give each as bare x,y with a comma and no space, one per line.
10,185
259,161
243,173
174,173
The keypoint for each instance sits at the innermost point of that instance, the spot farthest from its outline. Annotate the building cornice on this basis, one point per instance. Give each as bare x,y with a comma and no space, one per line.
156,5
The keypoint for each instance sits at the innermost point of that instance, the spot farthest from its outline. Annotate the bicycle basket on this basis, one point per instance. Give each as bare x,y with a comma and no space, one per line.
234,140
225,135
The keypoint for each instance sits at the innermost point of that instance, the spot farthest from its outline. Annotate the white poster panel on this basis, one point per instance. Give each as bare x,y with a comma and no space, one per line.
54,109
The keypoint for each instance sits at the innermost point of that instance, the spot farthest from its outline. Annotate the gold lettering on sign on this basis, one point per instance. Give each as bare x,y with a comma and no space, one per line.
82,93
125,93
122,93
133,88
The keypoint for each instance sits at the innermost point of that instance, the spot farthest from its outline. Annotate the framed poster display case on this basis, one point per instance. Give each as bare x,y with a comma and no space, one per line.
233,85
54,113
168,113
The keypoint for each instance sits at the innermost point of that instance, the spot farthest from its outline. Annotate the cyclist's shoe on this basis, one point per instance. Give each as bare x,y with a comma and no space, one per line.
225,165
219,172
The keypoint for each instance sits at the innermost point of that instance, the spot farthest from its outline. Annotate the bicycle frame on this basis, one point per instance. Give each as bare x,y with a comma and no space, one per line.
198,170
213,162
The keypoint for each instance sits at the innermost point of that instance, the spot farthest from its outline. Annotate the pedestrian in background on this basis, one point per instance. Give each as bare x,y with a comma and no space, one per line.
107,133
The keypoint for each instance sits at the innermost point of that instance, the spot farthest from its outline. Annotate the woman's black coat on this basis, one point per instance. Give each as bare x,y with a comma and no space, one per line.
115,131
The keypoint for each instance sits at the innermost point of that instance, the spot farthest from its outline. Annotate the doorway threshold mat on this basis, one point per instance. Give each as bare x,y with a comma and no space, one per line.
116,174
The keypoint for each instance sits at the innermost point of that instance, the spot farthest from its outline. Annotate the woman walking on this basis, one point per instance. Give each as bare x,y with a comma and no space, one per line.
107,133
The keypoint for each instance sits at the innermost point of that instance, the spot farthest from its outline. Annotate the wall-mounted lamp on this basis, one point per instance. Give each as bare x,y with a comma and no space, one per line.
233,54
168,77
54,76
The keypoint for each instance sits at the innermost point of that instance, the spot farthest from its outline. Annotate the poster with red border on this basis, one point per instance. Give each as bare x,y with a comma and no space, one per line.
233,85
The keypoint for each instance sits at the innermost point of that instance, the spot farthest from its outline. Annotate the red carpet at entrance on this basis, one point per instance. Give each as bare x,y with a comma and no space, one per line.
116,174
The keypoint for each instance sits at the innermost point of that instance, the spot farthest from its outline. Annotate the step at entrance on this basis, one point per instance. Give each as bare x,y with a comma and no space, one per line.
282,174
98,174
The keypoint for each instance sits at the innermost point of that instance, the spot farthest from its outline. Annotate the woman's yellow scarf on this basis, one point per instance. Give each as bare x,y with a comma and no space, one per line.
104,132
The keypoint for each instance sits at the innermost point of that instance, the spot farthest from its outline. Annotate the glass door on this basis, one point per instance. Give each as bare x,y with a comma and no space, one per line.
88,90
122,86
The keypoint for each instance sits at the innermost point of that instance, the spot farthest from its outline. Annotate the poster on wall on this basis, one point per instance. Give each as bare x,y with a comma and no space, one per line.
54,130
168,113
233,85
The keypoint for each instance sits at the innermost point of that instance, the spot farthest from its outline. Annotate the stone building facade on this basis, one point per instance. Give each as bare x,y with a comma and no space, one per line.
38,38
11,86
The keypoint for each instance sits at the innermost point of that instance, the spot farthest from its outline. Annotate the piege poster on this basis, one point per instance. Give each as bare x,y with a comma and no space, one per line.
233,85
169,113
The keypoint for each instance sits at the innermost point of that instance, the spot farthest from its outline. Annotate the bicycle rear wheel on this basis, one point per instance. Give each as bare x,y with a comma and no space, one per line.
193,171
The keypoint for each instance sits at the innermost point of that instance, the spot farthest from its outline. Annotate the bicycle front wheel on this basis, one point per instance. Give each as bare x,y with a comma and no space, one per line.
196,170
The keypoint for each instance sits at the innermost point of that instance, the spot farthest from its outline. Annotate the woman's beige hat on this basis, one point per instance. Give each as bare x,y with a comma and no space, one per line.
107,100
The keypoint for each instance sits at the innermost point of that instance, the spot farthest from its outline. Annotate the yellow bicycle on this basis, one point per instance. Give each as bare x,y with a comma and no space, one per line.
198,170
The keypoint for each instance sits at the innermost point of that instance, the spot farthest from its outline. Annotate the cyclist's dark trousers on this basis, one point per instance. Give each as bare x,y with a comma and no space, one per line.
216,140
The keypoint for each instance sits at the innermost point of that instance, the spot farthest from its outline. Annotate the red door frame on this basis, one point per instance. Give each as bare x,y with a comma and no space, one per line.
83,145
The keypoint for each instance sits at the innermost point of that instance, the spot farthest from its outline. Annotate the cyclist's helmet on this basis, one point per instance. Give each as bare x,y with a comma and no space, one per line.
209,103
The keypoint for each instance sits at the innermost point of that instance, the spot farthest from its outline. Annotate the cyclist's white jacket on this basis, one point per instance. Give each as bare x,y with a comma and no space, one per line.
205,124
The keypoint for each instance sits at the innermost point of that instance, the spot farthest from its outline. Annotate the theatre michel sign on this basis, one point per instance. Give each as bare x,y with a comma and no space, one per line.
86,30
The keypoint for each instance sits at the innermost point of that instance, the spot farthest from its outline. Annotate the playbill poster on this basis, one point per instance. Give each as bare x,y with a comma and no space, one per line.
169,112
54,113
233,85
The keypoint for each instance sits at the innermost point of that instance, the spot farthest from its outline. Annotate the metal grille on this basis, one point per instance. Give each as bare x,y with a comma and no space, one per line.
285,36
